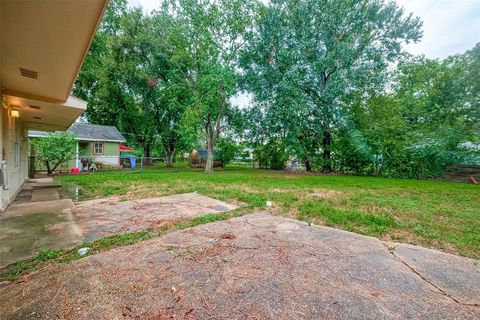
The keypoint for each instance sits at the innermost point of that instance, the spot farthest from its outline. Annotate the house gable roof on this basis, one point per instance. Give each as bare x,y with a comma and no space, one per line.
96,132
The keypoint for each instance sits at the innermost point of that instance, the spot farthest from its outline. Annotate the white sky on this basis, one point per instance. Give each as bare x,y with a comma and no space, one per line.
449,27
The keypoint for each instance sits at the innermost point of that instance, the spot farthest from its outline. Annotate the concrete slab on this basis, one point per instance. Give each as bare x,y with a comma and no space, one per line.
41,180
257,266
45,194
456,276
28,227
105,217
36,190
37,207
42,183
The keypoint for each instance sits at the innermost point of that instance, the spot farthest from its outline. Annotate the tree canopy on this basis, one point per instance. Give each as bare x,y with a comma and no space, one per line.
330,81
307,56
54,149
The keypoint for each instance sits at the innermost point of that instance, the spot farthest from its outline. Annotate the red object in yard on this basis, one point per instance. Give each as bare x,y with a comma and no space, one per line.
124,148
75,170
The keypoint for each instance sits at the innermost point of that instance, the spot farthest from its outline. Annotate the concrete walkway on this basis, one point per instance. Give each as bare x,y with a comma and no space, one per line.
253,267
29,226
37,190
37,219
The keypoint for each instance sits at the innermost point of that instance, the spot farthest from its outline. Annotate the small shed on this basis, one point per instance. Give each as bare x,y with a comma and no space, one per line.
294,165
198,158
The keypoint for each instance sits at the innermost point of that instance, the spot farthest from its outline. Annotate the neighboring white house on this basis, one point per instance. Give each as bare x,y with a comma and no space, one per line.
472,146
42,47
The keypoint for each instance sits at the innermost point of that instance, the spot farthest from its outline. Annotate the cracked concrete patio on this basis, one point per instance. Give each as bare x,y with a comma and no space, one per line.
256,266
28,227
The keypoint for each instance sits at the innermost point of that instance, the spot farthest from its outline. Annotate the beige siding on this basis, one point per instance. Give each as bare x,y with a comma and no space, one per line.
14,151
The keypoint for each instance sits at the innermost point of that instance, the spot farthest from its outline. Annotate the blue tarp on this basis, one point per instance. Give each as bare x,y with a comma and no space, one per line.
133,160
133,163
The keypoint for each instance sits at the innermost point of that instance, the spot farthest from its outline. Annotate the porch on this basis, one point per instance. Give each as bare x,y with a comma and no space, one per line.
38,66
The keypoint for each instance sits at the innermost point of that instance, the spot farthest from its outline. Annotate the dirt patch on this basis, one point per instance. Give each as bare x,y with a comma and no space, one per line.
238,203
324,194
247,188
405,236
142,190
229,236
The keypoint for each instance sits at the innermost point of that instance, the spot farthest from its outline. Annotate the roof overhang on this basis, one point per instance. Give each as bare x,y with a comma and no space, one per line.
43,134
47,39
80,139
46,116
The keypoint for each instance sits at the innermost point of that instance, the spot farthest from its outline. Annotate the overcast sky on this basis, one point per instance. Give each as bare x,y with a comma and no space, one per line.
449,26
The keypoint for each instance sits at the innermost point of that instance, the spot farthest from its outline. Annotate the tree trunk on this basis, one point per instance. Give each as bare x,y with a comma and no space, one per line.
147,155
209,163
308,165
170,151
213,128
49,170
326,142
170,159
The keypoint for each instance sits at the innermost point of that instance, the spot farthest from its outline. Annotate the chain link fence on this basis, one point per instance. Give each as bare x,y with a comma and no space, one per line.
84,164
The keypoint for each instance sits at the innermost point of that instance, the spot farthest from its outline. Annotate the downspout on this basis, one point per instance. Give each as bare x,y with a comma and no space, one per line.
77,163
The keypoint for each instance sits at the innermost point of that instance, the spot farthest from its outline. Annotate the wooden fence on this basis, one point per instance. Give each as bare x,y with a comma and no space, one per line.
462,172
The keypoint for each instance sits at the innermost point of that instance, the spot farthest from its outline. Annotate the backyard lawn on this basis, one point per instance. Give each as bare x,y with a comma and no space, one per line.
436,214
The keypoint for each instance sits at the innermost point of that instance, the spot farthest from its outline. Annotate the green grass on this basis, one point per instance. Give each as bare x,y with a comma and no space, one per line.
432,213
350,219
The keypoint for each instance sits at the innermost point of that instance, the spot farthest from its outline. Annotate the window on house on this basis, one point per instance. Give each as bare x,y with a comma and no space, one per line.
98,148
16,160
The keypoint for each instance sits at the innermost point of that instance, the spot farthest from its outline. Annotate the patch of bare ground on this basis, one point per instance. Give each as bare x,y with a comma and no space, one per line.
246,188
406,236
142,190
318,220
401,235
311,174
237,203
279,210
377,209
324,194
279,190
293,213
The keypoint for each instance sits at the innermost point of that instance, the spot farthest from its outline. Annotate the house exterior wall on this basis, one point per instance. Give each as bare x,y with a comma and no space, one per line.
110,156
14,149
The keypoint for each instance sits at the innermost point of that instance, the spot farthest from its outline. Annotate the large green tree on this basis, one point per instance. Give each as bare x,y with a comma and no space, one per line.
419,126
135,78
318,51
217,30
88,82
150,56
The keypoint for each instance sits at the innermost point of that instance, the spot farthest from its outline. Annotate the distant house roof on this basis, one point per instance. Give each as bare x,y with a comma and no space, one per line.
88,132
96,132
